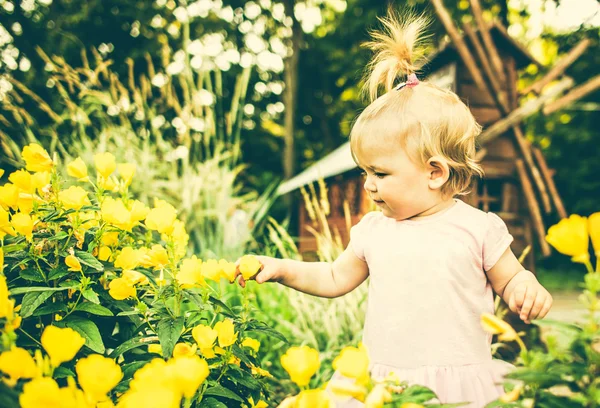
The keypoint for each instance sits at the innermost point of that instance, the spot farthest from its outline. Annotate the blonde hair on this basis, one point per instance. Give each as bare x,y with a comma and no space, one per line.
425,119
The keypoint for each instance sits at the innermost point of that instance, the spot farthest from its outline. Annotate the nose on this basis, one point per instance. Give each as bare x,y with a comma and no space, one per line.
370,184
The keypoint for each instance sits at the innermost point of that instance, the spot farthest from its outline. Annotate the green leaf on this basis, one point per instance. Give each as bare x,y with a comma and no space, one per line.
128,345
222,305
169,330
128,313
32,274
58,273
241,377
32,300
219,391
93,309
88,330
211,403
417,394
256,326
51,308
90,295
63,372
61,235
90,260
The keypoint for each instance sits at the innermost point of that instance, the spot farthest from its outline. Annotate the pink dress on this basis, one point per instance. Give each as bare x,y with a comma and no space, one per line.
427,291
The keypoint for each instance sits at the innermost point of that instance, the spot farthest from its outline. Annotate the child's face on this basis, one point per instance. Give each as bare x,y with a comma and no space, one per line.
398,185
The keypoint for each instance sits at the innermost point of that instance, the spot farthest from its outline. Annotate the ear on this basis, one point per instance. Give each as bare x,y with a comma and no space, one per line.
439,172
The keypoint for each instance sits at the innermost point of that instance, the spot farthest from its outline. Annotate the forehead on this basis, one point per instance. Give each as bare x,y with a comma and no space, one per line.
377,153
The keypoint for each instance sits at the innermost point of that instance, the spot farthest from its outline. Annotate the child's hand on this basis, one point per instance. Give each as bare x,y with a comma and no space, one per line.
270,271
530,300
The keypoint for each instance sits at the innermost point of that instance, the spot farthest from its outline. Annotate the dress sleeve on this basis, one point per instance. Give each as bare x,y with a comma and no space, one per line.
359,234
496,240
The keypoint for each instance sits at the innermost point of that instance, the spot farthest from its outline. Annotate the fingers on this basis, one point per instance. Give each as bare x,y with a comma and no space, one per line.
545,308
529,300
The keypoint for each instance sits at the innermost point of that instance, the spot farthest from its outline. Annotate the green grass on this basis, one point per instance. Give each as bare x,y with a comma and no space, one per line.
566,279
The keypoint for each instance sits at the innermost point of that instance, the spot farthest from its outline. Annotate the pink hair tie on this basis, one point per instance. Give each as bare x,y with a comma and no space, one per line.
411,82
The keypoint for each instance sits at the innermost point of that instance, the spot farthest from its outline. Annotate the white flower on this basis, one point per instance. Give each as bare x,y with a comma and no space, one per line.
24,64
181,15
157,21
180,152
197,124
223,63
245,27
159,80
17,29
246,60
260,87
252,10
276,87
45,2
175,68
232,56
249,109
213,44
226,14
113,110
204,98
278,47
195,47
196,62
199,8
278,12
254,43
158,121
268,61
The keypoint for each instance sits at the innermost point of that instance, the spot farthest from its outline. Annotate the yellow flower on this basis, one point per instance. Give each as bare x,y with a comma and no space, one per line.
104,253
61,344
162,219
513,395
1,264
157,257
494,325
353,362
40,179
189,373
78,169
44,392
259,404
5,226
127,171
155,348
105,164
158,397
6,304
74,198
9,196
570,237
249,266
289,402
184,349
114,212
228,270
128,258
345,389
23,224
260,371
22,179
190,274
252,343
378,396
97,375
110,238
18,363
411,405
135,277
138,211
205,336
36,158
211,270
594,226
108,184
226,333
1,172
301,363
314,399
73,263
121,289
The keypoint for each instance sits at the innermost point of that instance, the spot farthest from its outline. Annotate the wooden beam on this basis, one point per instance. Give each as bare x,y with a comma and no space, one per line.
541,160
525,147
558,68
523,112
534,208
576,93
458,41
496,91
487,40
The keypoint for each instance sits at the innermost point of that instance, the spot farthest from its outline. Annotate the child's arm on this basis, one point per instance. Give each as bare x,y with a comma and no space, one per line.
322,279
519,288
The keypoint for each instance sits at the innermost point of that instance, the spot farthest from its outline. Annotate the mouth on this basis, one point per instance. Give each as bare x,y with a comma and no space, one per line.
378,202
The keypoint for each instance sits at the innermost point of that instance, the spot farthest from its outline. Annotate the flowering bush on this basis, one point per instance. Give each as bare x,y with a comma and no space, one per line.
108,300
567,372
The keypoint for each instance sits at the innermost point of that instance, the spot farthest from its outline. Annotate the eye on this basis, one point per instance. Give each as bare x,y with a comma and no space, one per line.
380,175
